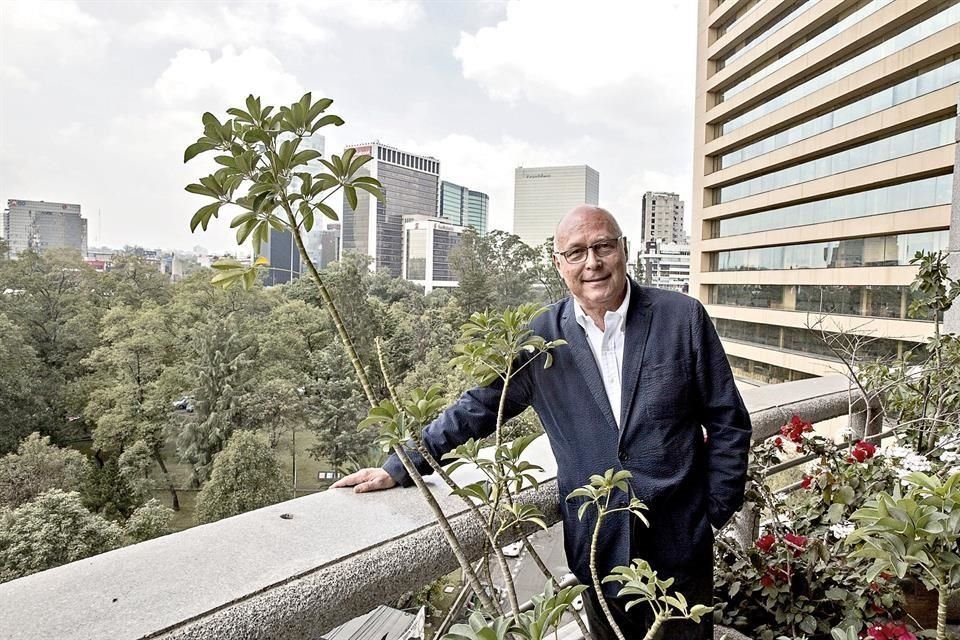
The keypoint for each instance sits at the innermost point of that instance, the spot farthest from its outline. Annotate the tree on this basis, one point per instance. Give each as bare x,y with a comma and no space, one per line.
49,300
222,371
37,467
245,476
495,270
339,406
53,529
21,375
127,401
151,520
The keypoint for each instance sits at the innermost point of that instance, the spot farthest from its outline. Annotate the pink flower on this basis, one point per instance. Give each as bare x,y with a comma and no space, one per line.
806,482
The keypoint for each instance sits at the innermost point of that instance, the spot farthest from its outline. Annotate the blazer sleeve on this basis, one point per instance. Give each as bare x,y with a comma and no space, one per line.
726,420
473,415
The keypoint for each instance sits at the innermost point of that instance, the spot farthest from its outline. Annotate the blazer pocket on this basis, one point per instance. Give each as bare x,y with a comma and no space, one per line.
665,389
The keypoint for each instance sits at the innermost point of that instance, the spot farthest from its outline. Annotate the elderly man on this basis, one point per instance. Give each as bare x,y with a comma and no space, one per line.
641,380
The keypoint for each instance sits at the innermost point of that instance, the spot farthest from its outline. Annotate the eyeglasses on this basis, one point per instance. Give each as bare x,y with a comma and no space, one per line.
601,249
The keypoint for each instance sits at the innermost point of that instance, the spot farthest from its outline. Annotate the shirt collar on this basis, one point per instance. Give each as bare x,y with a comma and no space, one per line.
621,312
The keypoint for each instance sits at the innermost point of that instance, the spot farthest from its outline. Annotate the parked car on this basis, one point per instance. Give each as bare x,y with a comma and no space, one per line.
513,550
184,404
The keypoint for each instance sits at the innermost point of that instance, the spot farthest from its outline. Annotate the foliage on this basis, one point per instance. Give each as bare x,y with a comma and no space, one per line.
797,578
37,467
151,520
224,353
53,529
259,163
245,476
106,492
916,532
21,372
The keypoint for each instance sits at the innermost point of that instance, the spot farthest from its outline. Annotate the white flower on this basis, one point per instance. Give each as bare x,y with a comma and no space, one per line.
949,457
842,529
916,462
895,452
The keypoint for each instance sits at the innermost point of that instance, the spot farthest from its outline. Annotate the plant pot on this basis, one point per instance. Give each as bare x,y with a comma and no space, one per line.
920,603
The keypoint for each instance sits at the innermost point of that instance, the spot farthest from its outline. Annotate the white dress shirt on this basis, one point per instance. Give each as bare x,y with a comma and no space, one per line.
607,348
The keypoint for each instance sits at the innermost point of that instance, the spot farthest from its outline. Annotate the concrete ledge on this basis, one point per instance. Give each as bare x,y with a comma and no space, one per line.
331,557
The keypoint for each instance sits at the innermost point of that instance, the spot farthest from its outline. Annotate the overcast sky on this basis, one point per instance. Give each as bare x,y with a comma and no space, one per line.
99,99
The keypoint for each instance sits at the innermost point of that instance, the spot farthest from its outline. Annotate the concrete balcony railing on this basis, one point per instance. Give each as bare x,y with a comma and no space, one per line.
299,568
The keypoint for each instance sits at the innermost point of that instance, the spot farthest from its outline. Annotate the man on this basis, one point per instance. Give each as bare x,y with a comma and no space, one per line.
656,377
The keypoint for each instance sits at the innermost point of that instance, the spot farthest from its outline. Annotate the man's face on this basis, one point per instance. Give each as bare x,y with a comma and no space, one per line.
597,282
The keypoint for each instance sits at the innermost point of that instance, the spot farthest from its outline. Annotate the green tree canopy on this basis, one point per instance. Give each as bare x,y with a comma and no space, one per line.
37,467
53,529
245,476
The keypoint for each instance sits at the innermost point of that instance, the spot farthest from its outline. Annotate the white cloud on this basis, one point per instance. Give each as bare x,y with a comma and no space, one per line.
276,24
197,78
629,64
31,32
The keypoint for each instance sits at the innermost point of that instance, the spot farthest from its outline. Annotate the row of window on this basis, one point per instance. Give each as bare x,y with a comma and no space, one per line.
924,138
762,372
778,23
810,341
872,301
408,160
877,251
737,16
918,85
889,45
839,24
918,194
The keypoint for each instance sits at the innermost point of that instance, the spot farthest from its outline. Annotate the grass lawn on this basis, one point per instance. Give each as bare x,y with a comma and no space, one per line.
307,470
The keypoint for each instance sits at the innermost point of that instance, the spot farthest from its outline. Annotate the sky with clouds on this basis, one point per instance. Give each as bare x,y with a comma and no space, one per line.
99,99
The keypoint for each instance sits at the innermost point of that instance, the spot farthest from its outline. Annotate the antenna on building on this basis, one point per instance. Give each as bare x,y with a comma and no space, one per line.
99,225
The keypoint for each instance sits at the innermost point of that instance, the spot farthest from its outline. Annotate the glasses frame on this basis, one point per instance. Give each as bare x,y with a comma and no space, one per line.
589,248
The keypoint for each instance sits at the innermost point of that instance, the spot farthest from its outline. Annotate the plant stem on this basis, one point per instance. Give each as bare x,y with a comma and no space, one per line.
411,469
660,618
595,576
331,307
943,594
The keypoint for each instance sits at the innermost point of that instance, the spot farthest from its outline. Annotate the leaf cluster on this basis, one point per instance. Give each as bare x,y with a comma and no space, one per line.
264,172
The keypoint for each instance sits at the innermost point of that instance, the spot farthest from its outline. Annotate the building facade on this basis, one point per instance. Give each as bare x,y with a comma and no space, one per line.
410,183
664,265
542,195
32,225
662,218
825,148
284,257
428,242
463,206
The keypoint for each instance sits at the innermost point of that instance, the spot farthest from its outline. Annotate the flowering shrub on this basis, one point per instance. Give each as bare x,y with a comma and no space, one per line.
797,579
890,631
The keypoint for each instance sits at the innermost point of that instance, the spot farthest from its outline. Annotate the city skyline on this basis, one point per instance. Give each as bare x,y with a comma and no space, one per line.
106,97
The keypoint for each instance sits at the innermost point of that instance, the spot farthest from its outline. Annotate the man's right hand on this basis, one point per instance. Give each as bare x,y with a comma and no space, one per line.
372,479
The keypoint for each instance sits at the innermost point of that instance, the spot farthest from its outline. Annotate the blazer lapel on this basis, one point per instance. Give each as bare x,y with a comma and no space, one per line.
576,338
634,342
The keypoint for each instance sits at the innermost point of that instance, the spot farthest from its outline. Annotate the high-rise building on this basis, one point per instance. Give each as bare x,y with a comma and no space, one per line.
825,147
410,184
664,265
428,242
463,206
542,195
38,226
662,218
284,257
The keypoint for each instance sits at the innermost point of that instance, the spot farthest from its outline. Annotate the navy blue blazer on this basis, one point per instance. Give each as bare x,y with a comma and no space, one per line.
675,379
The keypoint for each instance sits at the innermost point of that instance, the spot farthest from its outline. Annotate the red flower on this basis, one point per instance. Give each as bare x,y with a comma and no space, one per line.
795,429
799,543
890,631
766,542
767,579
862,451
806,482
778,443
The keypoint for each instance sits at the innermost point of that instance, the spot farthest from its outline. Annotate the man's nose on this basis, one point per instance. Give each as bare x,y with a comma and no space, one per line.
593,260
